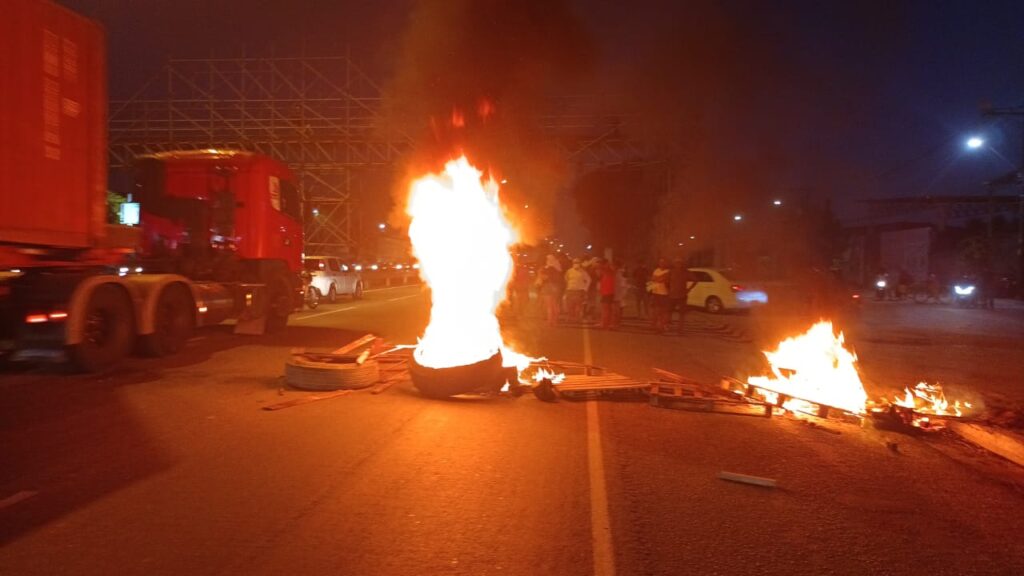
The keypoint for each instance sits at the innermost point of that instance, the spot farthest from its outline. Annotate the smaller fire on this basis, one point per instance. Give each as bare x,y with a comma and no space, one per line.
545,374
922,403
930,399
814,368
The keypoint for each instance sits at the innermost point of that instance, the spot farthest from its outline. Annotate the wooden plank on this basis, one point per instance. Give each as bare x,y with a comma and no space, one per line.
747,479
306,400
355,344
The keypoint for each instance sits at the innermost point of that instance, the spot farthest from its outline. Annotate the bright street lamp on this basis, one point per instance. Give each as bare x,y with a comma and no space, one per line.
737,217
975,142
777,202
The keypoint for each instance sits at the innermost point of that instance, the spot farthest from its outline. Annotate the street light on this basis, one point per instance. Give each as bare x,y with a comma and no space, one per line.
975,142
737,217
777,202
381,226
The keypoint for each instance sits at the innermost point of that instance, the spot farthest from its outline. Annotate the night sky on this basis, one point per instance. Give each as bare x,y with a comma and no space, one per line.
842,100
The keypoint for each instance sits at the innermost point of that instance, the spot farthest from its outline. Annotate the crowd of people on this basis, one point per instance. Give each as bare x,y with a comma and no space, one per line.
597,291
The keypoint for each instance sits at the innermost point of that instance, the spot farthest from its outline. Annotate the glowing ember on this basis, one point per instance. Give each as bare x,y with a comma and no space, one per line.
930,399
461,239
814,367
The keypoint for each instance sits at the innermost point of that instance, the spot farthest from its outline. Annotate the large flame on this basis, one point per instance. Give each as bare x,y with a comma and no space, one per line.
461,238
814,367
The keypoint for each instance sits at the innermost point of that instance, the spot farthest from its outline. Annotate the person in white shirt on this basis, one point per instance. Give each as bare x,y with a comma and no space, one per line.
577,282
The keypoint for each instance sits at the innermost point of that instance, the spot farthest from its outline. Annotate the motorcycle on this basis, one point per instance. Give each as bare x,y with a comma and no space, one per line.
880,286
965,294
311,297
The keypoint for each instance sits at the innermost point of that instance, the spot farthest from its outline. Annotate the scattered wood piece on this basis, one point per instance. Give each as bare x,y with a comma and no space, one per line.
355,344
747,479
306,400
362,357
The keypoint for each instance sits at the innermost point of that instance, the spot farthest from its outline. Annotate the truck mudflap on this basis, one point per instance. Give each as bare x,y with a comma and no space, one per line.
252,319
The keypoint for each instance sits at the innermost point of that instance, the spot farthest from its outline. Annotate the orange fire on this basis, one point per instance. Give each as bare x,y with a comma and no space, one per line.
461,238
814,367
930,399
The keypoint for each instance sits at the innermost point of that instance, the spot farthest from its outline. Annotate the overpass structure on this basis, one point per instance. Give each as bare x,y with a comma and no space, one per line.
324,117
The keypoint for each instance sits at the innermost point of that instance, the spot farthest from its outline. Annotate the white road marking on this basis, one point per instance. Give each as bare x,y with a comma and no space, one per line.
346,308
17,497
401,298
600,523
326,313
389,288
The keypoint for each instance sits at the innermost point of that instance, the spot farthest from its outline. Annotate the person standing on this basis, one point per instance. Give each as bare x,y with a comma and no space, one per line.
607,281
658,287
550,289
622,289
641,275
577,282
679,285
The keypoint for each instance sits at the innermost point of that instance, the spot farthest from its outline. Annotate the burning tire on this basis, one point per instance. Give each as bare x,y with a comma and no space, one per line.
484,376
309,374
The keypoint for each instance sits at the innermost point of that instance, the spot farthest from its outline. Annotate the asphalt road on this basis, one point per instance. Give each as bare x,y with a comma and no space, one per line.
171,467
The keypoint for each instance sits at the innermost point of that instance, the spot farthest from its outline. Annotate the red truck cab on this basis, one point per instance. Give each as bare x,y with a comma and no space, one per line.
210,208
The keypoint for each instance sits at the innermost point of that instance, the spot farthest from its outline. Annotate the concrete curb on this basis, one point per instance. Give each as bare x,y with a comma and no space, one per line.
1007,444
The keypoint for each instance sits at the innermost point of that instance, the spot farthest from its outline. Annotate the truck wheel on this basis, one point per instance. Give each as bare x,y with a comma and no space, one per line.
173,322
332,295
279,304
108,330
358,293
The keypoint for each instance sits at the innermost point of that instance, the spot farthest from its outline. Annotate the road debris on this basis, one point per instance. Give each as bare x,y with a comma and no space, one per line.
747,479
306,400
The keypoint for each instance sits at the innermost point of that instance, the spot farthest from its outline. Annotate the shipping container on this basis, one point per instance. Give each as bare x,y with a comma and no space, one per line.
53,107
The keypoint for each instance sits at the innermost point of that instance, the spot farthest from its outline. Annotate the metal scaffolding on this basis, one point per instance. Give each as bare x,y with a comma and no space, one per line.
322,116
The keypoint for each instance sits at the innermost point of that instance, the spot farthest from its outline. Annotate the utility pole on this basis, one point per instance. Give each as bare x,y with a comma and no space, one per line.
1016,111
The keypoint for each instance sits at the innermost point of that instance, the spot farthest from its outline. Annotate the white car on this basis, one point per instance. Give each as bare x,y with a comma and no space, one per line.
715,290
330,277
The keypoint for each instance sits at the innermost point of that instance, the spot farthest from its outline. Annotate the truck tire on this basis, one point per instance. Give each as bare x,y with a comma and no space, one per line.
108,331
279,303
357,294
332,295
307,374
173,322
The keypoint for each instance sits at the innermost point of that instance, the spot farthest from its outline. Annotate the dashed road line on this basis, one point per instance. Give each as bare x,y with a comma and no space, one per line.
600,522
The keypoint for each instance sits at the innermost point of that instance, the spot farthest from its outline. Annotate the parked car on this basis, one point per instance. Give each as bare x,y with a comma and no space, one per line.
717,290
330,277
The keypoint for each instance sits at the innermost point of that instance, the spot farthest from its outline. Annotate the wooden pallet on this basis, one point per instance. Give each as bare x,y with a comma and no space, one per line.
698,397
606,385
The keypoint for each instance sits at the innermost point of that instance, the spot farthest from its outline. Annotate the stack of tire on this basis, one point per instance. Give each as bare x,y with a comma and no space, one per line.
330,372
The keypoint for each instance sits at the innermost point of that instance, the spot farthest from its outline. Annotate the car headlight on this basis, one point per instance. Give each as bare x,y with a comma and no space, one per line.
963,290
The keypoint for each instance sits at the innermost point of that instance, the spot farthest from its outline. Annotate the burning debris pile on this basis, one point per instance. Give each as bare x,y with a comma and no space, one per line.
816,373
